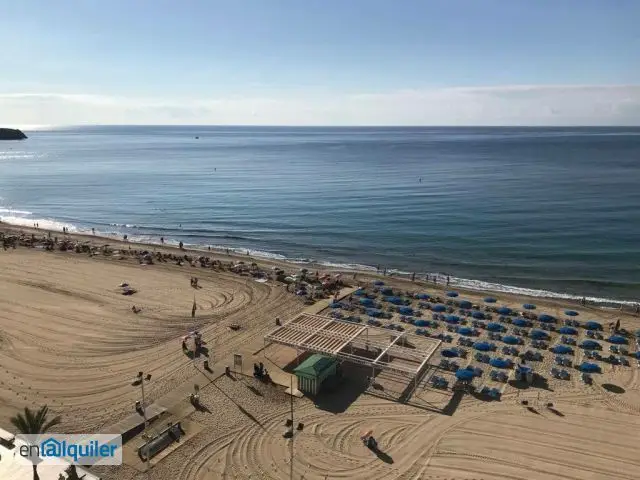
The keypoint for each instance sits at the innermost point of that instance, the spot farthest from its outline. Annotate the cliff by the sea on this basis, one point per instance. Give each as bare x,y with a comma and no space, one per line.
11,134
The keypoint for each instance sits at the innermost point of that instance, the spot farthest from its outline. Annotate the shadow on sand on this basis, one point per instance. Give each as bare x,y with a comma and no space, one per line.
610,387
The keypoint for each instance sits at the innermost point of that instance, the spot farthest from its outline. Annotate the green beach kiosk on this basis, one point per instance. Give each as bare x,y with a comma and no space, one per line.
313,371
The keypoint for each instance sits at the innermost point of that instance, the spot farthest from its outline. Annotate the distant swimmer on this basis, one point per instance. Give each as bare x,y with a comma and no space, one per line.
420,180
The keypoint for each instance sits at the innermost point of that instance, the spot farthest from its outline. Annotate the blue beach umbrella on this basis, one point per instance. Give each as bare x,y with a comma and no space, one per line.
405,310
466,331
452,319
478,315
421,323
510,340
539,335
568,331
378,283
423,296
374,312
367,302
591,325
495,327
439,308
465,374
544,318
618,340
386,291
529,306
521,322
589,367
500,363
452,294
562,349
335,305
571,313
483,346
591,345
504,311
450,353
490,300
394,300
637,355
359,292
466,304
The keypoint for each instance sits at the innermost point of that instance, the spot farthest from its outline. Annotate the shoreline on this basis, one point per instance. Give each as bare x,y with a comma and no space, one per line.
218,253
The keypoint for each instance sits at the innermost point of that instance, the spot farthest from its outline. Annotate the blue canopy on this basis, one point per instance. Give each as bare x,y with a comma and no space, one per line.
466,304
450,353
529,306
571,313
423,296
466,331
618,339
495,327
394,300
359,292
421,323
367,302
523,369
405,310
568,331
510,339
335,305
478,315
589,367
521,322
386,291
500,363
378,282
452,294
562,349
544,318
539,335
637,354
452,319
590,345
465,374
374,312
439,308
591,325
483,346
504,311
490,300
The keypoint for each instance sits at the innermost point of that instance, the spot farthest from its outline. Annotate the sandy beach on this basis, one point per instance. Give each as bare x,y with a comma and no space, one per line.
69,339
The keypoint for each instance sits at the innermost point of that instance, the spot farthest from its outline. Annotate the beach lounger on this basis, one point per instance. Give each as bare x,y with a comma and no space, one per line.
564,375
493,375
555,372
586,378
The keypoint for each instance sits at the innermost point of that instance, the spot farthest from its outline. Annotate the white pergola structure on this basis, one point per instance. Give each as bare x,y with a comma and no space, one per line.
324,335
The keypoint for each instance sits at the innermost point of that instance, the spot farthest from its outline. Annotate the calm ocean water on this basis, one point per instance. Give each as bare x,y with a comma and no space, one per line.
556,209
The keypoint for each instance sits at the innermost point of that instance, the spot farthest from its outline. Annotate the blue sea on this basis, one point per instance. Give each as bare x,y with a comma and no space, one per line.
544,211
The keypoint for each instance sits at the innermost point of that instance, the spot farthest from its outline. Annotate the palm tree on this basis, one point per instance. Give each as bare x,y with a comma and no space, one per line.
34,423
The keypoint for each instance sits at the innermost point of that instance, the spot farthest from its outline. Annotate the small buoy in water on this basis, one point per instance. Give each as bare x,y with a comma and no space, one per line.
197,138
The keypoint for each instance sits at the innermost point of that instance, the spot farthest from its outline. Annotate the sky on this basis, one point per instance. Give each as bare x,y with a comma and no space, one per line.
320,62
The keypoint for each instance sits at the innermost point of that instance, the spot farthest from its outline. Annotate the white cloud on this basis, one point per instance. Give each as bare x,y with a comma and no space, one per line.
496,105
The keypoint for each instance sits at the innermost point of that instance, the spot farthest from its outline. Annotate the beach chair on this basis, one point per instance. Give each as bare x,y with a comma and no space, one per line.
503,377
448,338
624,361
495,393
493,375
555,372
586,378
559,360
564,375
623,351
478,372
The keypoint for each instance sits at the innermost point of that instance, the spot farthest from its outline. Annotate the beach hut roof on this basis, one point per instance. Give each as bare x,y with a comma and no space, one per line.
314,366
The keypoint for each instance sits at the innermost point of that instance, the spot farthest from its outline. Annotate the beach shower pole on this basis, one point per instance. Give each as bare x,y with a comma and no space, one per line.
292,432
144,414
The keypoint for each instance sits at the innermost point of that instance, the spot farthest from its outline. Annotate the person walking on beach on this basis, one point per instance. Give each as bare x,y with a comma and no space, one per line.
413,277
162,240
448,280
